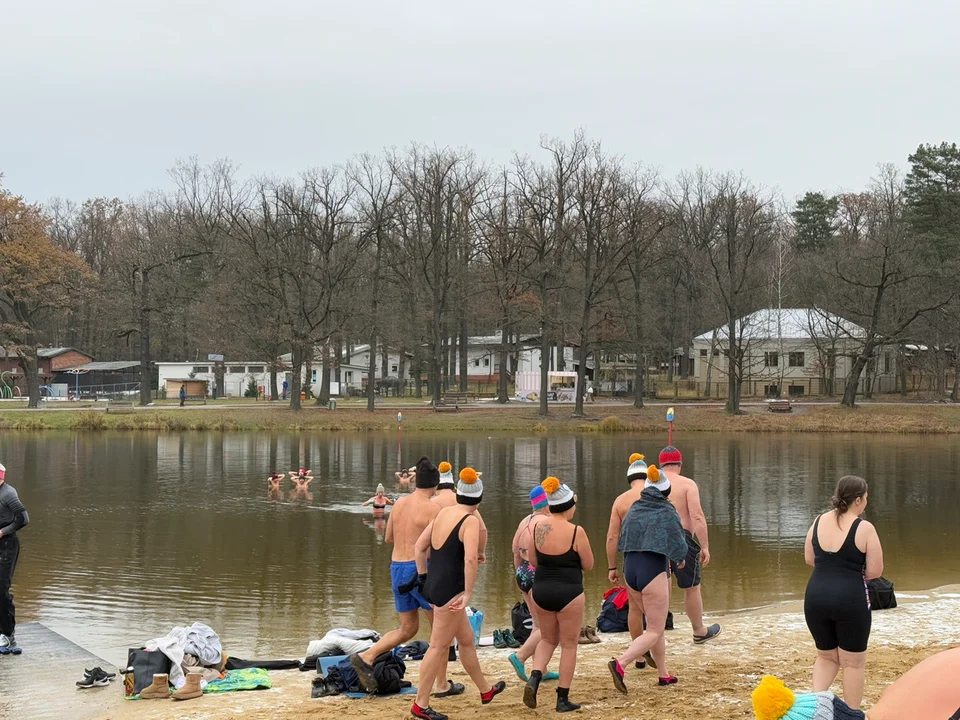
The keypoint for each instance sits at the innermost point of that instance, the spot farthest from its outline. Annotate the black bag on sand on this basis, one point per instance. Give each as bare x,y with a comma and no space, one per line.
522,622
669,624
612,620
146,664
881,594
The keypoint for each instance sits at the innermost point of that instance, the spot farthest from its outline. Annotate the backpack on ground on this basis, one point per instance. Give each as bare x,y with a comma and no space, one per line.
610,619
522,622
882,597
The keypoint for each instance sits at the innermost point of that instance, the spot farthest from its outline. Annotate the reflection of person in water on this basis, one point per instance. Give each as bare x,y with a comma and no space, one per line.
379,525
379,501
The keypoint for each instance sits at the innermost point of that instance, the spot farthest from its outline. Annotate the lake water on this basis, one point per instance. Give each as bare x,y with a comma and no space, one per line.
133,533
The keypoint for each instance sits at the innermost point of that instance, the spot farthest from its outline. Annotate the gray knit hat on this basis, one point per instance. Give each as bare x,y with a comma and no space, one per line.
560,498
657,479
470,488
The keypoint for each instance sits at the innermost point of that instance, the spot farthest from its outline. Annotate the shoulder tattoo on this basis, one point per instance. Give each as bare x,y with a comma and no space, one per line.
540,532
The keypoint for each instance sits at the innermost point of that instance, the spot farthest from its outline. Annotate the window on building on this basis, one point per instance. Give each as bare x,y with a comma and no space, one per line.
796,360
486,362
393,368
703,353
716,352
255,369
887,362
348,376
771,359
236,369
796,390
476,363
313,376
201,369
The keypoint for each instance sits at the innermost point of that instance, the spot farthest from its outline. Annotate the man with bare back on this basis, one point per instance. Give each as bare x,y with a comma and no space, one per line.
636,476
411,514
685,497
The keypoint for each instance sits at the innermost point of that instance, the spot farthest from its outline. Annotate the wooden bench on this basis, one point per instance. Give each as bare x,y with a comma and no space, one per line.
195,399
779,406
120,406
451,402
88,396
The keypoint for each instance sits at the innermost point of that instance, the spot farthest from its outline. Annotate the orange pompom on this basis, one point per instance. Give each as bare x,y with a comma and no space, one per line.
635,457
653,475
469,476
444,467
550,485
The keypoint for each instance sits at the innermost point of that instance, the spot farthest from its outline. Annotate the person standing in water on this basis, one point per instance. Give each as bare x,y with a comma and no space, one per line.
452,541
845,552
13,518
685,496
636,476
524,573
379,501
651,537
561,553
410,516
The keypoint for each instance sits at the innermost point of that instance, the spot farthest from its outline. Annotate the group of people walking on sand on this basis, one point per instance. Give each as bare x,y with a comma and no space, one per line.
658,525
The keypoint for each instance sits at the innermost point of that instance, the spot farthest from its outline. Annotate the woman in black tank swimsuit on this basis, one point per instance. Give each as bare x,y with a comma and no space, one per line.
452,542
562,552
836,604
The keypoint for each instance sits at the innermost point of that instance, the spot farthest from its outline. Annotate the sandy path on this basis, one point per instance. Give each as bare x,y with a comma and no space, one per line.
715,679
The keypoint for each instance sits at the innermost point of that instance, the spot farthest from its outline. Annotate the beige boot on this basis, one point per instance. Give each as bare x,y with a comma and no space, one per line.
192,688
159,690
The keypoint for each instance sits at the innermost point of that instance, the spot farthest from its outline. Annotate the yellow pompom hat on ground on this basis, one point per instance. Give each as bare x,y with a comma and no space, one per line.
772,700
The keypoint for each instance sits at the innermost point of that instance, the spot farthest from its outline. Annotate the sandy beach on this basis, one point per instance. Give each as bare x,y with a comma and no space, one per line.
715,679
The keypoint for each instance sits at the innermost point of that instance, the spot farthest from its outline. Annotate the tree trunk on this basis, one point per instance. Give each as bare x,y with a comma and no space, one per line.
582,365
955,391
463,354
733,367
144,313
544,370
308,370
638,379
853,378
296,360
31,371
417,366
323,397
502,379
713,345
402,374
273,382
372,373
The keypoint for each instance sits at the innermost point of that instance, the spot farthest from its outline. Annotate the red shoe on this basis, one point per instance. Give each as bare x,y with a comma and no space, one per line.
426,713
487,697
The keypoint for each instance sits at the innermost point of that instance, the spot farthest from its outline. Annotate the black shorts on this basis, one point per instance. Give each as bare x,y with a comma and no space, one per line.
838,617
689,576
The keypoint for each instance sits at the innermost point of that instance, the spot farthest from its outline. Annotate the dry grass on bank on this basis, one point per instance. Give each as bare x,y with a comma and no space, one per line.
900,419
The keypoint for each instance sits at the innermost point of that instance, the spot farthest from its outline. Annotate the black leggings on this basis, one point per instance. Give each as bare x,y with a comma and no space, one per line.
641,568
9,552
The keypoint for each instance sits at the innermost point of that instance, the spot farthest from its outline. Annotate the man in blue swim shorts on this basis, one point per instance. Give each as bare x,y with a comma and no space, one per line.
410,516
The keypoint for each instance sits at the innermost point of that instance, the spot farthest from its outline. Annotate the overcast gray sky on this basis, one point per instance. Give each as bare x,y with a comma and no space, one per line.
100,98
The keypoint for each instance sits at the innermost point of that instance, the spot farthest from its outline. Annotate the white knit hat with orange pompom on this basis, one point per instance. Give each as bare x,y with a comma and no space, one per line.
446,475
637,469
558,495
657,479
470,488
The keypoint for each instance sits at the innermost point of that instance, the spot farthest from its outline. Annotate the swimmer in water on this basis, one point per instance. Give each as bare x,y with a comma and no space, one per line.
273,482
379,501
302,478
405,477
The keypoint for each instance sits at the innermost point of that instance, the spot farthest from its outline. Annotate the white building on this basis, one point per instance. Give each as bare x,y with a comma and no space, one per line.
802,348
236,379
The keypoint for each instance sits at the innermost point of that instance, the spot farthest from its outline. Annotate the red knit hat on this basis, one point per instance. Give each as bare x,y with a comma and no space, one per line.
670,456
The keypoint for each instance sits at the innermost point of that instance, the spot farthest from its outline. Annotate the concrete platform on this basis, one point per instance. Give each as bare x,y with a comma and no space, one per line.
41,682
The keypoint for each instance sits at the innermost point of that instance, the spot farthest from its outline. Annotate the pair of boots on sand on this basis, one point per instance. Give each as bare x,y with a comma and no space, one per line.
160,689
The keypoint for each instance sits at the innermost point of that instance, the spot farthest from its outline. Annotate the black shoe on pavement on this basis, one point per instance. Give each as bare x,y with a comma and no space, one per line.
94,679
100,671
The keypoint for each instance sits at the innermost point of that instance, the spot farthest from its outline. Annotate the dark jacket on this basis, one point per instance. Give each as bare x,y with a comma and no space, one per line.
652,524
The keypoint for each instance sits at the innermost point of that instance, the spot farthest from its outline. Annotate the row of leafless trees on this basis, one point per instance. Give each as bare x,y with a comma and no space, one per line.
417,249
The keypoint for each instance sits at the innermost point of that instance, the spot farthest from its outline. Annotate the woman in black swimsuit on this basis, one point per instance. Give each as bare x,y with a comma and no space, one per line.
452,542
561,553
845,552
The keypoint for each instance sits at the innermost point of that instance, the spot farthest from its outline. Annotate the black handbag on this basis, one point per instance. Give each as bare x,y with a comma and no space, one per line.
882,597
146,664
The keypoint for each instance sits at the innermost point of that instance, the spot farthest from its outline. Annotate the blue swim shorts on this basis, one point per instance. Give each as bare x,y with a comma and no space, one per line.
401,573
